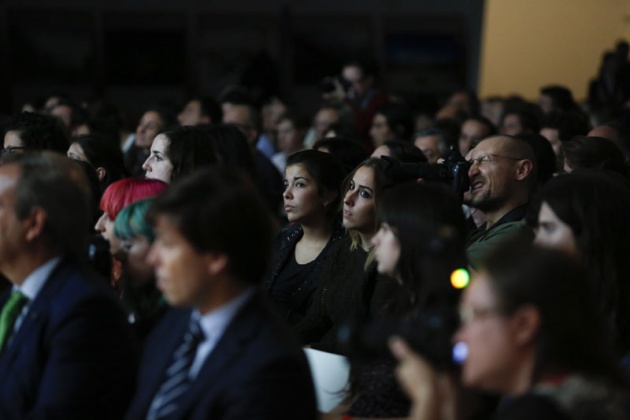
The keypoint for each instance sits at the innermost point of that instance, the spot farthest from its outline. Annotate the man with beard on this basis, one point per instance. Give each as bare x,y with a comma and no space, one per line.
502,176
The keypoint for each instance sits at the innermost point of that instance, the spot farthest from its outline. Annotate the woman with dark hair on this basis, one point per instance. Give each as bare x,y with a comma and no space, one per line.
179,152
348,279
350,153
154,120
532,333
231,146
420,243
140,294
311,200
103,154
584,214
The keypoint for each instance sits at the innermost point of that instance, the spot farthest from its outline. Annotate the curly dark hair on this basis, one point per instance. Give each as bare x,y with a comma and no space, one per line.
39,132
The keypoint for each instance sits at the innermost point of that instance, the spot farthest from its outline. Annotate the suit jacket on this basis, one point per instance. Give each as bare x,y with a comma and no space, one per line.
74,355
256,370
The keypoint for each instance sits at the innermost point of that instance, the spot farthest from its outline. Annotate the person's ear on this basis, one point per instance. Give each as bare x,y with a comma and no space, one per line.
526,324
523,169
101,172
34,223
216,263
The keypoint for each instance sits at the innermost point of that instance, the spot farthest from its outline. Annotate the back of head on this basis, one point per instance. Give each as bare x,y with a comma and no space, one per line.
349,152
570,336
189,149
231,146
491,130
40,132
57,185
101,151
210,107
594,152
399,118
217,209
562,98
546,162
431,228
405,152
131,222
569,124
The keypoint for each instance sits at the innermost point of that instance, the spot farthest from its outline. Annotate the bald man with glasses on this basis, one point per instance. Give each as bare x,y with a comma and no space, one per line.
502,176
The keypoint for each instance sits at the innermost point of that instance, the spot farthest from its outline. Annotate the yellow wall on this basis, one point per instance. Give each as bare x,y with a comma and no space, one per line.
531,43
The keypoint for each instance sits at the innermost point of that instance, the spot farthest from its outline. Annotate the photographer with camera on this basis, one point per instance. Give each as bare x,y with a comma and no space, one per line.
420,243
502,176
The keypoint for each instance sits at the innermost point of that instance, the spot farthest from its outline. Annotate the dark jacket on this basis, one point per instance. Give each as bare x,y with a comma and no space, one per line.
74,355
300,291
257,370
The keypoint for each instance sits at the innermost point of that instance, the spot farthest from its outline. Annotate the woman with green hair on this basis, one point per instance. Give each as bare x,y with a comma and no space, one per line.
142,298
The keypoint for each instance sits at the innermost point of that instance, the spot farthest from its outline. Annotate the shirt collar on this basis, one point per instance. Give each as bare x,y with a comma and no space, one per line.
215,322
36,280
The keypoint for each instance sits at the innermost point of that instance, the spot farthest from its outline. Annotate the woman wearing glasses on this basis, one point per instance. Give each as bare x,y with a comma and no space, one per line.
533,335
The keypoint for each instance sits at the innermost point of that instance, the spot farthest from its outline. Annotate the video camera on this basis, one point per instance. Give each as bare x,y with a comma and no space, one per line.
429,333
453,171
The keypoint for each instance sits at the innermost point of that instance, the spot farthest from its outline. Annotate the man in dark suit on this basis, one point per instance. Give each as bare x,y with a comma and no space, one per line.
66,350
223,354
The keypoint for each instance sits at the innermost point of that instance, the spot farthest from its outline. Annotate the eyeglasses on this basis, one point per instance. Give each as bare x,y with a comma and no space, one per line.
468,314
489,158
9,150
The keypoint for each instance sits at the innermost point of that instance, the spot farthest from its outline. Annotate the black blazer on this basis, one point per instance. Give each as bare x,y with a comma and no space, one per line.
257,370
74,355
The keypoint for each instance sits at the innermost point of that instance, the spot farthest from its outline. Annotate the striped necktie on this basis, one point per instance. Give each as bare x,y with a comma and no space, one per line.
10,312
176,381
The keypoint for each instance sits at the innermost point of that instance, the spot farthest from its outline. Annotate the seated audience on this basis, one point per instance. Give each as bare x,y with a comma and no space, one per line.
348,279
